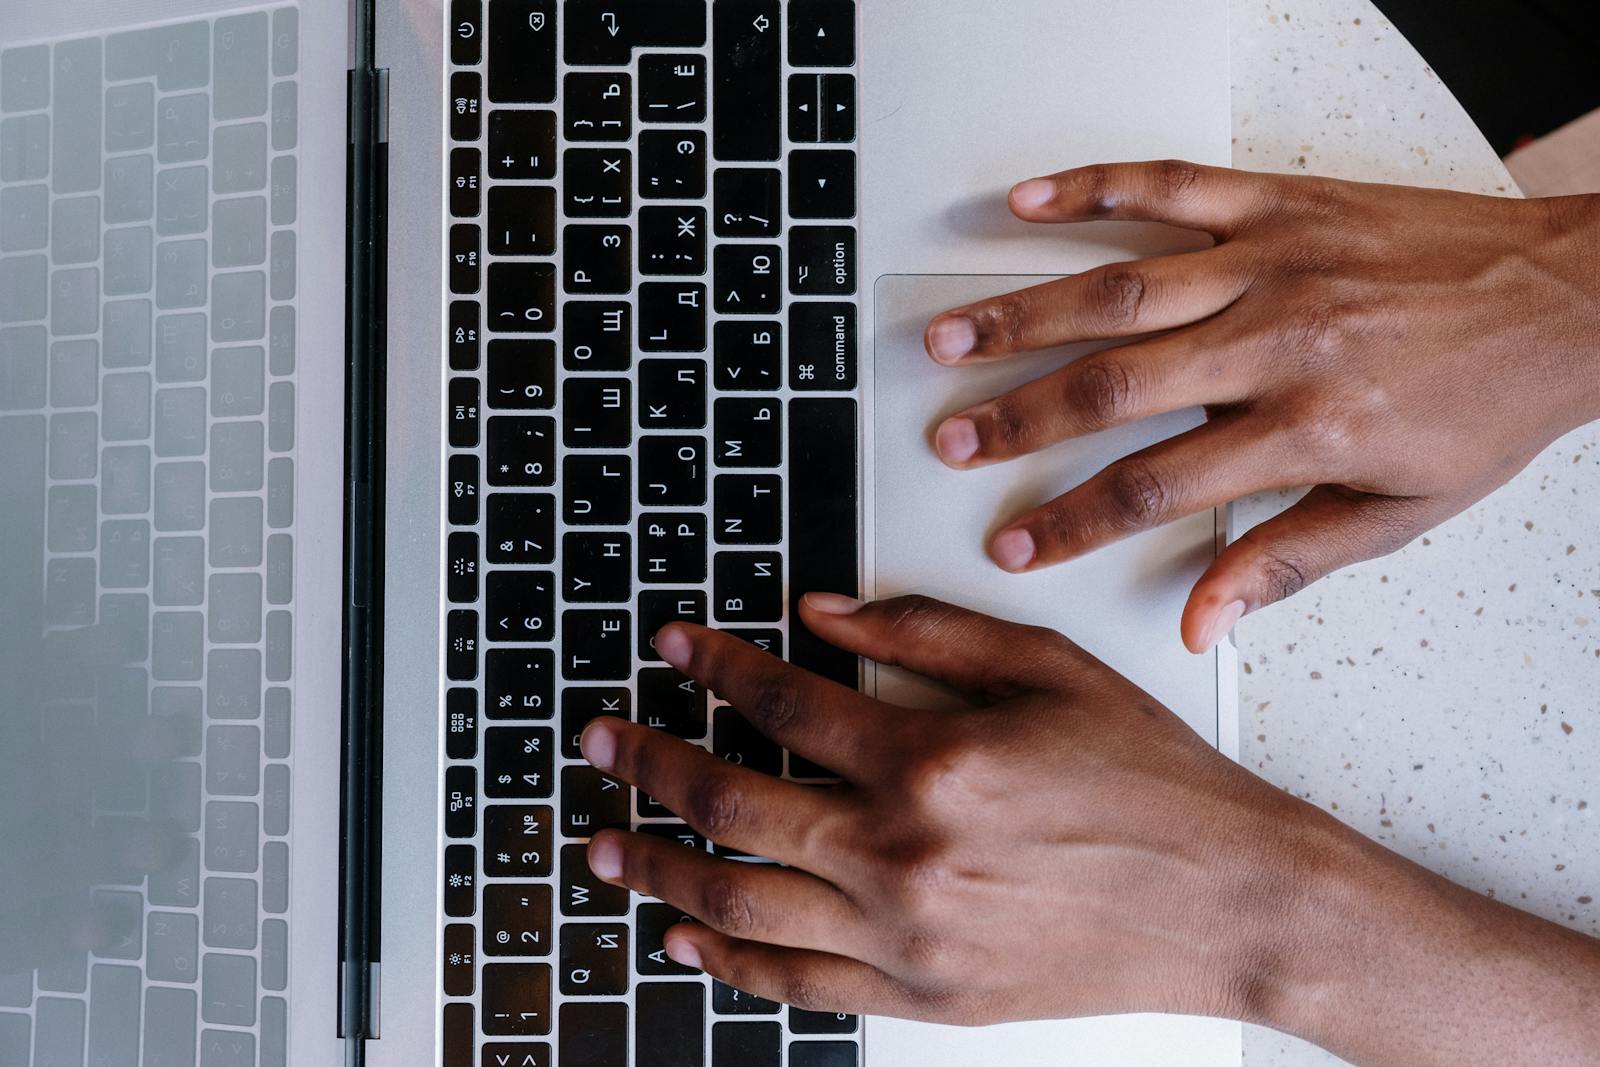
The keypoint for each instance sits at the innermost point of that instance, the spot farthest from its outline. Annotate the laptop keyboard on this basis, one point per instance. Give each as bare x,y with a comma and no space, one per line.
147,395
651,416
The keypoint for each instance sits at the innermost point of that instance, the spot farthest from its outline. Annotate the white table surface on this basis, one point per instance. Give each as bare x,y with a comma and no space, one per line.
1446,700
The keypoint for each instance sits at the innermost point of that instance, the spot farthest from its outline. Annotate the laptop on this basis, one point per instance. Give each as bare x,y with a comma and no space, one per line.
375,380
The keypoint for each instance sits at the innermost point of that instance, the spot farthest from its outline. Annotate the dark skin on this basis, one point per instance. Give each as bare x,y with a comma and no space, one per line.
1402,351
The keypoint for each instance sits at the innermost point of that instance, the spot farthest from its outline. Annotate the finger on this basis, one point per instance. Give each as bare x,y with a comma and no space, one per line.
1120,300
1191,368
820,720
1330,529
810,981
1216,200
976,654
1208,466
759,901
731,805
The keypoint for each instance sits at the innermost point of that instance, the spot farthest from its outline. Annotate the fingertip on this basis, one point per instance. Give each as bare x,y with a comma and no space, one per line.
956,441
1013,550
834,605
674,645
950,337
1028,197
605,856
681,949
598,744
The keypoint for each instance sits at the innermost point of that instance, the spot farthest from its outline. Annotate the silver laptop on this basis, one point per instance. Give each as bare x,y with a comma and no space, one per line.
373,382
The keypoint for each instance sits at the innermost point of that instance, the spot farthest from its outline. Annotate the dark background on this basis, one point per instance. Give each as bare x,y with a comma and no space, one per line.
1522,68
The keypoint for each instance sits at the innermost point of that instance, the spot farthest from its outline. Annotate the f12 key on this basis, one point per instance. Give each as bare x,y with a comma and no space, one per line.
604,33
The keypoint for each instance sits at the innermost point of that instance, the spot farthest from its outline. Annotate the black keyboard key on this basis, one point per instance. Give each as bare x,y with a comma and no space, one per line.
650,957
516,999
822,1022
522,51
672,471
461,723
747,202
597,259
460,890
594,646
672,317
598,182
748,432
519,762
460,802
519,683
522,528
581,706
657,607
672,394
735,740
749,508
746,1045
582,894
522,145
466,106
672,88
466,32
522,297
822,184
466,193
594,960
520,606
726,1000
459,1034
604,33
592,801
672,165
824,522
749,587
597,413
594,1035
597,568
458,960
522,220
822,33
838,112
822,347
669,1025
461,646
672,702
747,279
522,374
672,240
516,920
462,490
824,1053
517,841
517,1054
466,261
522,450
672,548
465,322
768,641
748,356
595,336
598,107
464,415
597,490
461,568
822,261
675,832
746,87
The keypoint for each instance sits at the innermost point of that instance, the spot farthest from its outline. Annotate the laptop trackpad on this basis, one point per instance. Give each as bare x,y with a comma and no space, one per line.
932,524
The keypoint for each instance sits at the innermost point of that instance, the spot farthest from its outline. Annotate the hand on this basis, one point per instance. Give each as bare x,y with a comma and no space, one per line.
1405,351
1065,847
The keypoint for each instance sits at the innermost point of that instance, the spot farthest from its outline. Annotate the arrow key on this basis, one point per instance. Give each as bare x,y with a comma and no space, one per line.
838,115
822,33
822,184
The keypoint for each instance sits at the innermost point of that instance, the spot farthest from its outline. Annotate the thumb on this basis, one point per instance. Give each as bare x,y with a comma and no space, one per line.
1332,528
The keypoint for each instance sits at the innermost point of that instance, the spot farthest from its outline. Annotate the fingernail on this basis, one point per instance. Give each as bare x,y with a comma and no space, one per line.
833,603
673,646
1013,550
1224,623
1033,194
599,746
950,339
682,951
605,859
957,440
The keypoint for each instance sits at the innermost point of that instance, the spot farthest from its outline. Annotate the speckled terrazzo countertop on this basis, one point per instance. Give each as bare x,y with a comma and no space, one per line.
1446,700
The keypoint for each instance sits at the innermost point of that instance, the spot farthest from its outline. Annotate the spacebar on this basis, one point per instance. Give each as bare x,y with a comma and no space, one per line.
824,523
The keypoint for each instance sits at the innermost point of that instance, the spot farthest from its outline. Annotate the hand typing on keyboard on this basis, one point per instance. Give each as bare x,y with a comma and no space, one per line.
1406,351
1065,847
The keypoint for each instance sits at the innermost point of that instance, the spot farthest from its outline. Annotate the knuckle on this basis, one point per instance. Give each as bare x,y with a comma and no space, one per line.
803,989
1283,573
915,616
1176,179
1327,436
1138,495
1002,322
1102,392
1120,295
776,703
714,806
1097,185
729,906
1005,424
